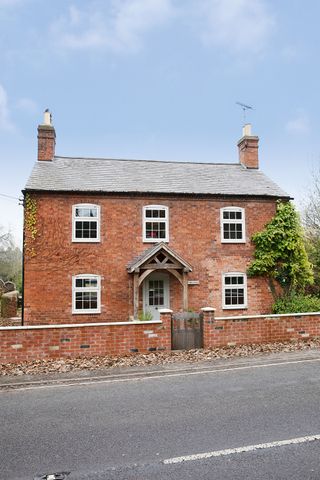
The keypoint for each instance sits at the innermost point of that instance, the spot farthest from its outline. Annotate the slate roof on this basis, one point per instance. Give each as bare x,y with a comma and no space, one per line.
150,176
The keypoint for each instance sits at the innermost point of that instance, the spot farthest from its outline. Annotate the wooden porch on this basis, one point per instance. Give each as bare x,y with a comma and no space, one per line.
159,258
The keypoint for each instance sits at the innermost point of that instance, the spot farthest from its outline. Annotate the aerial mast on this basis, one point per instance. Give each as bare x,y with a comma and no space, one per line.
244,109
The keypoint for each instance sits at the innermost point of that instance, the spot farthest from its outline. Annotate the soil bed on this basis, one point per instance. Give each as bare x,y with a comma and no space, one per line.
155,358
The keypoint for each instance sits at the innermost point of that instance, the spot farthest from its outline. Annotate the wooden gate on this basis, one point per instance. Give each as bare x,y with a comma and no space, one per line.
187,331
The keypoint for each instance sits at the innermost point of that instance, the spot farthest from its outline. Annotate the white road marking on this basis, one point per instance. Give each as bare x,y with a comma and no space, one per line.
6,387
248,448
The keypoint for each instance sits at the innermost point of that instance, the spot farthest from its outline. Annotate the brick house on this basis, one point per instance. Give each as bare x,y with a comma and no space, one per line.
107,239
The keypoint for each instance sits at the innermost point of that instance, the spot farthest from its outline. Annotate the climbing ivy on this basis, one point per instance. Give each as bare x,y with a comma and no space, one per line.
280,254
30,221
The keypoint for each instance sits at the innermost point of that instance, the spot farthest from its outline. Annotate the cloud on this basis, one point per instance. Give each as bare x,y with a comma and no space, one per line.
298,125
122,25
289,52
120,28
27,104
5,122
9,3
238,25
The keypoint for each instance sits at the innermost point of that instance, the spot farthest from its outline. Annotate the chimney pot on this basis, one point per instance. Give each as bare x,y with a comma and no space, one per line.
47,117
246,130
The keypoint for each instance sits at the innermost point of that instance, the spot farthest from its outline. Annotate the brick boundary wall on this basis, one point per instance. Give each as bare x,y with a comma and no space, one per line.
230,331
18,344
9,304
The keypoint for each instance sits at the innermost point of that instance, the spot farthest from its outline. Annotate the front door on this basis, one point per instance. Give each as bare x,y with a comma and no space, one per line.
155,294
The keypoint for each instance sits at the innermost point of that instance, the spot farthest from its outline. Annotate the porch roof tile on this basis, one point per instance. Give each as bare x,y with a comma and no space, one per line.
147,254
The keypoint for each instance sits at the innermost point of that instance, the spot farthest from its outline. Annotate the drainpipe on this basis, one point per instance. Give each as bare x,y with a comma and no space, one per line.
23,247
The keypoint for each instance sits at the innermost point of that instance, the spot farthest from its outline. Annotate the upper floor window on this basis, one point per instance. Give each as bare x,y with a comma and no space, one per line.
86,293
155,223
85,223
234,290
232,225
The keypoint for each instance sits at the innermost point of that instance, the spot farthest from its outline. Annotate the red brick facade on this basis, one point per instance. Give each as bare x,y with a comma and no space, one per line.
52,259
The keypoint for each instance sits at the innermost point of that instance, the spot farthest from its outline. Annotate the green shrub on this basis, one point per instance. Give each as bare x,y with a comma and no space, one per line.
145,316
297,303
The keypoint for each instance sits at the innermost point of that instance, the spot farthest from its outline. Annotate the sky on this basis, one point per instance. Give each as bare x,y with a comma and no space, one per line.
159,79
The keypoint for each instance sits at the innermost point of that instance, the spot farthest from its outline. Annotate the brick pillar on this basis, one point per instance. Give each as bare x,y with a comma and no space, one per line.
208,323
166,319
248,148
9,304
46,139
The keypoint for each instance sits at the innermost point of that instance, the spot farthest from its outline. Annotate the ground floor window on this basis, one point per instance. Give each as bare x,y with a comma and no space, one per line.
234,290
86,294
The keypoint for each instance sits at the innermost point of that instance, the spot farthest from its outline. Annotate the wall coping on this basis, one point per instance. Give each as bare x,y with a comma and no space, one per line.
271,315
75,325
150,322
12,294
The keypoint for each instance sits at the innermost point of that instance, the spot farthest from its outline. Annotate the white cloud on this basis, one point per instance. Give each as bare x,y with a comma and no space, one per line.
121,25
27,104
9,3
299,124
5,122
289,52
238,25
120,28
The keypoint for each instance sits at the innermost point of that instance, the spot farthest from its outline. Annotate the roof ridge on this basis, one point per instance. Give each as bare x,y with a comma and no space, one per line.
237,164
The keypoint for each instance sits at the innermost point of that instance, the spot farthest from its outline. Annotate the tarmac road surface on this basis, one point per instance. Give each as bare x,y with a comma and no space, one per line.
254,418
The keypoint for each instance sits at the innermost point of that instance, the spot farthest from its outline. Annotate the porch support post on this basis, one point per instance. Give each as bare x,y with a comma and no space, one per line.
185,290
135,294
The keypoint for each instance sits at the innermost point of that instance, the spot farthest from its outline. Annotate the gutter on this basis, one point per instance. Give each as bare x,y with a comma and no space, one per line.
226,196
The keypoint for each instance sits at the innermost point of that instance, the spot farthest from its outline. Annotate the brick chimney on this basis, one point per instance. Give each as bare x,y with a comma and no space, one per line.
248,148
46,139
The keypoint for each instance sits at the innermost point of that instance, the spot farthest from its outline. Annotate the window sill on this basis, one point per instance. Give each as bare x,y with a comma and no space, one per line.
86,312
155,240
233,241
235,307
85,240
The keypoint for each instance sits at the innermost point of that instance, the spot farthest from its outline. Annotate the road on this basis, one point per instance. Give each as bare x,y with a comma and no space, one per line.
134,425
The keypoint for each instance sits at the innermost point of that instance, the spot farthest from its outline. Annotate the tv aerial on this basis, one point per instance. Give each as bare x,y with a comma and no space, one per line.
244,109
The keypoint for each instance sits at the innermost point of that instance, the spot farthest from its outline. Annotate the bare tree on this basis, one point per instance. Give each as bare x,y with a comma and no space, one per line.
311,215
311,220
6,239
10,258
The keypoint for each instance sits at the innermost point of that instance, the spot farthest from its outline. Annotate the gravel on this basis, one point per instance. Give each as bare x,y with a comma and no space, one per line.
43,366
